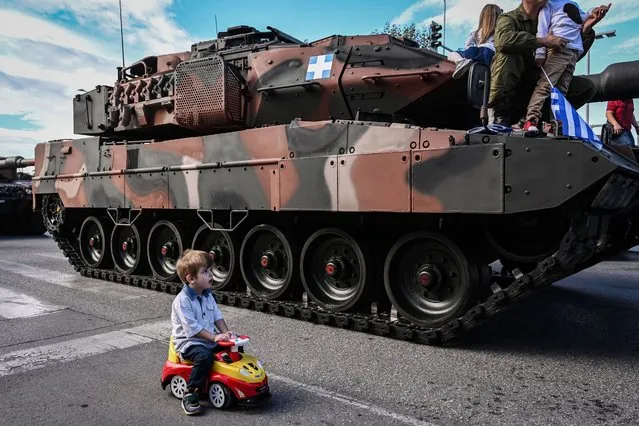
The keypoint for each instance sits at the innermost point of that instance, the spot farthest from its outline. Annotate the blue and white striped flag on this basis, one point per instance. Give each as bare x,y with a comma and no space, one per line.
572,123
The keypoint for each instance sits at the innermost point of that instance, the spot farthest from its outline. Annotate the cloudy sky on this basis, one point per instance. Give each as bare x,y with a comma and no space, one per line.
51,48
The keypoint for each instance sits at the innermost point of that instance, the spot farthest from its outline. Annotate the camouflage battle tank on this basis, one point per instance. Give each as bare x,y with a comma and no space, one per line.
16,212
329,184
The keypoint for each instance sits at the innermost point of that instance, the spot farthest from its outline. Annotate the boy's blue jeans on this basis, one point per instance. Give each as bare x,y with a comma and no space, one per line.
202,359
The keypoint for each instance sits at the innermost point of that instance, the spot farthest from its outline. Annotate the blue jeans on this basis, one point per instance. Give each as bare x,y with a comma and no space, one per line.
625,138
202,359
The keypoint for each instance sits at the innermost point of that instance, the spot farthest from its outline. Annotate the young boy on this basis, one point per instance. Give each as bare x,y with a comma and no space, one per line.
561,18
196,323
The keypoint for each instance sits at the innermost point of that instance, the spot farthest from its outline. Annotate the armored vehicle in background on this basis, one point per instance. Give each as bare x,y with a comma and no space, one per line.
16,202
335,181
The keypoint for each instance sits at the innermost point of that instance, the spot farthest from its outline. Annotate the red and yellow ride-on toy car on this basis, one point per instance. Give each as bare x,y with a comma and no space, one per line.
235,377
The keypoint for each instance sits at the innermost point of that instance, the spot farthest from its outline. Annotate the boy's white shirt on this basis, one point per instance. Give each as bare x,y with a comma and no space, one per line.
553,19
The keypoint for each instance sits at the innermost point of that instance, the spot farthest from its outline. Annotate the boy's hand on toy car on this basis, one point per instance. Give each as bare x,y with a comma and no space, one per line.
222,336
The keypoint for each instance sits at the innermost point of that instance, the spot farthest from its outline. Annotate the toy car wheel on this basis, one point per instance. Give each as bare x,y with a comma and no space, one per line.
220,396
178,386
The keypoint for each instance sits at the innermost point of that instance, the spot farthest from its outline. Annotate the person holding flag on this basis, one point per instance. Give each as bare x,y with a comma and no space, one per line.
513,70
563,18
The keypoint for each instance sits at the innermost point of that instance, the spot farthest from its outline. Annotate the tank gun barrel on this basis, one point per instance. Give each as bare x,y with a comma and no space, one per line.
617,81
16,162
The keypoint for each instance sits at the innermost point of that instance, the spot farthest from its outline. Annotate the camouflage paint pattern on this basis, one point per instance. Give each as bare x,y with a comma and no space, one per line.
248,129
321,166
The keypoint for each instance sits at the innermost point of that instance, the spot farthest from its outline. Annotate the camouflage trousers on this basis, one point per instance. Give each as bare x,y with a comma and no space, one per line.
513,80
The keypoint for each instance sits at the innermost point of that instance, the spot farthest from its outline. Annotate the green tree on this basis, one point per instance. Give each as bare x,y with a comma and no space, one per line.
411,31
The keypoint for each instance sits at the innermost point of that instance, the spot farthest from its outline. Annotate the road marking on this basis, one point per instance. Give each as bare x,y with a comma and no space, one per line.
25,360
347,400
16,305
33,358
58,256
76,282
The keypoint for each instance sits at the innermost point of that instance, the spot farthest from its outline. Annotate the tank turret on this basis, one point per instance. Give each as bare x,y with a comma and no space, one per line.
247,78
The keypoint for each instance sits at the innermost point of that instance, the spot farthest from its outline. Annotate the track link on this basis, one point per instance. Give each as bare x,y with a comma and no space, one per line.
575,249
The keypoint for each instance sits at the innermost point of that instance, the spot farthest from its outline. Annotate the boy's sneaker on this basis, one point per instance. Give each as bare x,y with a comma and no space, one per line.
191,403
531,126
461,67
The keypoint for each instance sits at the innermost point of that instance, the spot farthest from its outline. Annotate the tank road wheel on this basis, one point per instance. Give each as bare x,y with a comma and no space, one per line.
334,269
52,213
428,279
93,242
127,248
524,239
221,246
267,261
164,247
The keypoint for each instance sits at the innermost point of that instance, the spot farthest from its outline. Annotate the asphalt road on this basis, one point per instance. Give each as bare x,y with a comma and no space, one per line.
80,351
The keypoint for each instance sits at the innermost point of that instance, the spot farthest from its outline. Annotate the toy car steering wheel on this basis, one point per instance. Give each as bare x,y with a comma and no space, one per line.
236,341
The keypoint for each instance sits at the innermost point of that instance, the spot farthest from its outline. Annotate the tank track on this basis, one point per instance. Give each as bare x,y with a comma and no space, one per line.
576,249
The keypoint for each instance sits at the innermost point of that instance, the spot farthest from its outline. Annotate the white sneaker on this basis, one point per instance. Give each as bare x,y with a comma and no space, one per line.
461,68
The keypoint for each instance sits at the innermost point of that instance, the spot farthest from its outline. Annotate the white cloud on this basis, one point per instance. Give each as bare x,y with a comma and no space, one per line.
464,14
407,16
73,78
147,20
628,49
44,63
18,25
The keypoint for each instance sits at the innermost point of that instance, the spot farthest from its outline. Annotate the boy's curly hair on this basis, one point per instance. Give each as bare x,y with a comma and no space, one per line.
191,261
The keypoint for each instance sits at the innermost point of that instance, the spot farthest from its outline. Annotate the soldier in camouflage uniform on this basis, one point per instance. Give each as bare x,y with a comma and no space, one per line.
514,73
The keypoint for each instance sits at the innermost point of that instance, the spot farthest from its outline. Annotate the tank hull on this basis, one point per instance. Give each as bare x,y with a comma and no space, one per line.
325,221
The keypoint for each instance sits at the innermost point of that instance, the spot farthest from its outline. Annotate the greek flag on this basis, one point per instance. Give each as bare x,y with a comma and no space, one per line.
571,122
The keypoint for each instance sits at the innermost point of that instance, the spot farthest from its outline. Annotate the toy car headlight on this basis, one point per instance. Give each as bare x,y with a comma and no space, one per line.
243,372
259,364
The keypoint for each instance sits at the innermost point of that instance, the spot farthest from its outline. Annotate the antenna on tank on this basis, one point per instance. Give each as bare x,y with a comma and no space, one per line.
215,25
121,33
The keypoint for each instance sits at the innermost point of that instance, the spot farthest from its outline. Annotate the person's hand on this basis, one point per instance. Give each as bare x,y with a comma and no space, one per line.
554,42
618,129
222,336
540,62
598,13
